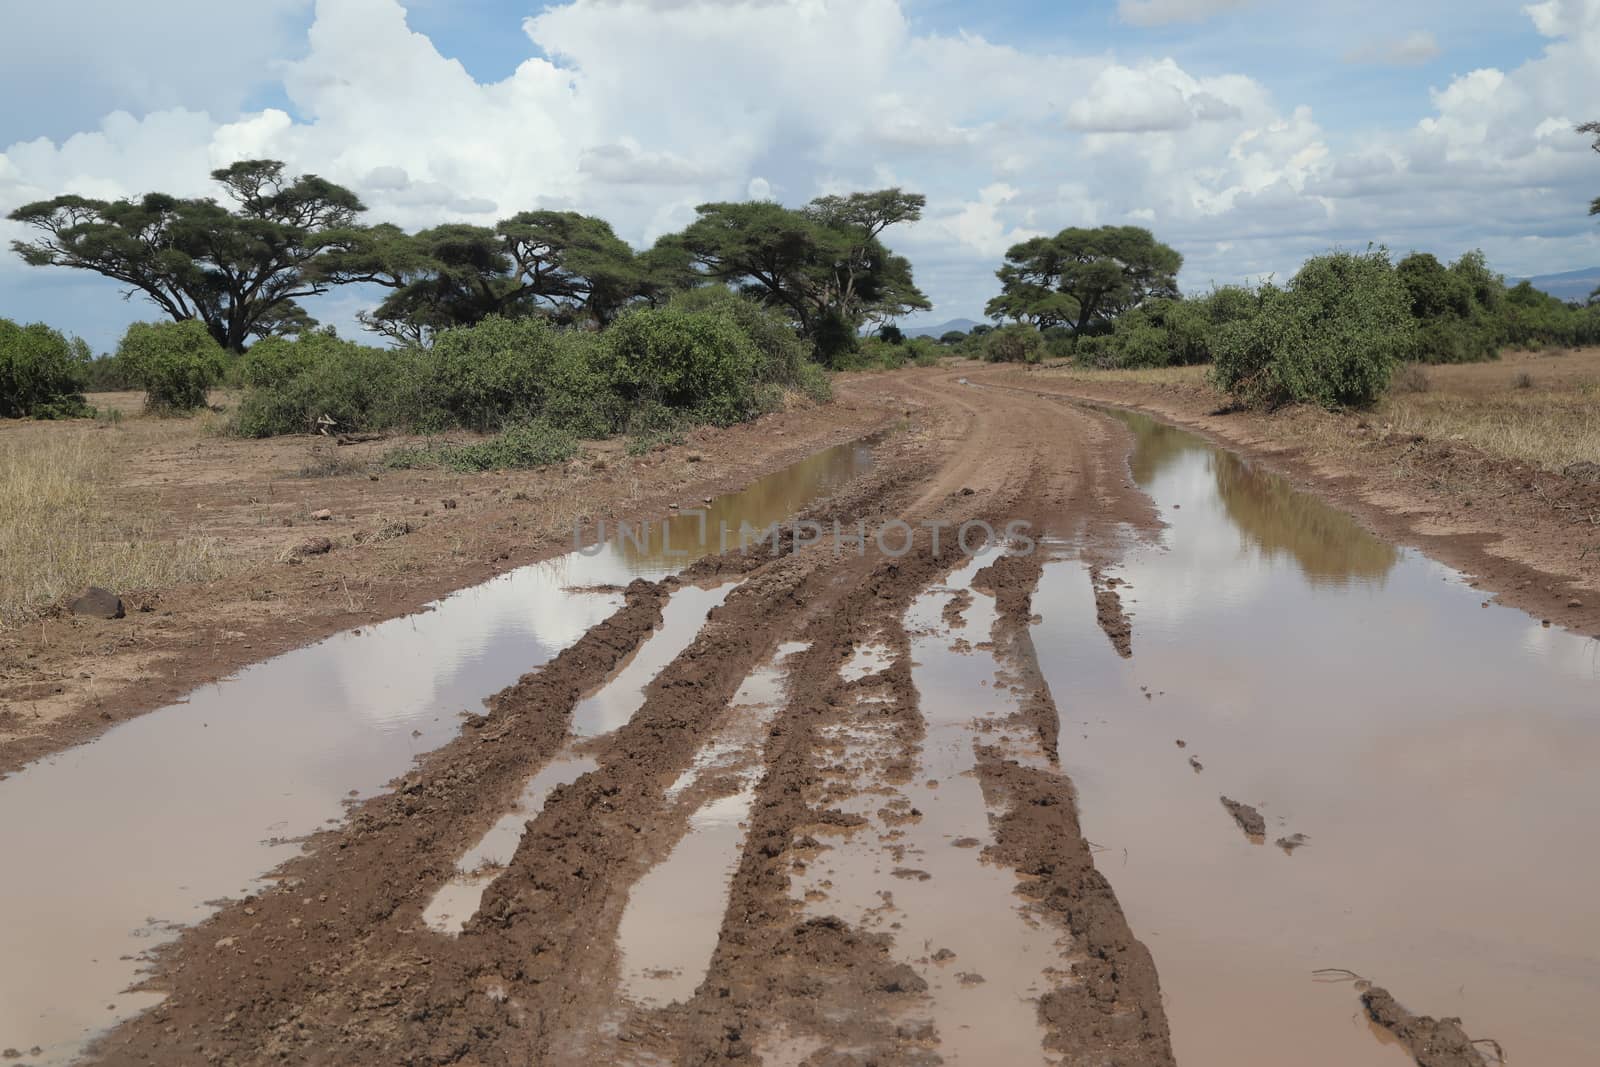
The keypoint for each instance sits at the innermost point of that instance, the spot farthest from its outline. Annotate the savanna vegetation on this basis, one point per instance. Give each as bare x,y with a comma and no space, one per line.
545,327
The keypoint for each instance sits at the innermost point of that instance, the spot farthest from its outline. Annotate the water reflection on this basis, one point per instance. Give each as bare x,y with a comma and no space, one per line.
209,793
661,548
1438,754
1266,511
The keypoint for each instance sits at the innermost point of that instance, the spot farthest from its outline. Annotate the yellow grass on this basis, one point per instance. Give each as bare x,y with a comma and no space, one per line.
1547,428
59,532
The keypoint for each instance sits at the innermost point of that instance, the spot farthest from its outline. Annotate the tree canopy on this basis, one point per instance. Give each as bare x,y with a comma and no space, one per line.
1593,129
238,269
1083,279
823,264
558,264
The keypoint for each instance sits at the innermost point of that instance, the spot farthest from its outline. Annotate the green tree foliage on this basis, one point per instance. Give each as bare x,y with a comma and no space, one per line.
1332,337
1169,332
1084,279
239,270
824,264
714,359
952,337
1016,343
173,362
1455,307
562,265
42,373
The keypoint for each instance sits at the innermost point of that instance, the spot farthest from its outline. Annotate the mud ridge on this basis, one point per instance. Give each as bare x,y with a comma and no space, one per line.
1432,1042
1108,611
359,889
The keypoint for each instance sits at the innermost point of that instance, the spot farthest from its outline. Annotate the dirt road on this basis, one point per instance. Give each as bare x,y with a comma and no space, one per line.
806,802
339,965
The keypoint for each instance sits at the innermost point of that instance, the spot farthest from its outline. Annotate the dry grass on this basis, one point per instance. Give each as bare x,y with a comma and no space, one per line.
59,532
1541,408
1189,377
1548,428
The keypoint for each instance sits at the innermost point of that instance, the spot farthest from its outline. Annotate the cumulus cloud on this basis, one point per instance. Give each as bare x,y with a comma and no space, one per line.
794,98
1411,50
1161,12
1157,96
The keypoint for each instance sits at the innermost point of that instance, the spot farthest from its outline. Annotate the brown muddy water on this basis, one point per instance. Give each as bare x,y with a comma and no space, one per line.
914,868
110,847
1438,755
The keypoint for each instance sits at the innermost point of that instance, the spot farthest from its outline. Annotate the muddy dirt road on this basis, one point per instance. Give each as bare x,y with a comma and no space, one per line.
932,797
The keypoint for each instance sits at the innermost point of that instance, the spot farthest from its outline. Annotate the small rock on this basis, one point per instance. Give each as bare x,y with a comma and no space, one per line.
942,955
1196,764
98,603
1182,743
693,457
1292,842
1574,603
967,490
970,978
322,514
449,503
965,842
11,1053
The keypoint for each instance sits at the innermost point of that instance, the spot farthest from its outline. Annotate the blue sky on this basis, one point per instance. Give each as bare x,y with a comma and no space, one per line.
1247,133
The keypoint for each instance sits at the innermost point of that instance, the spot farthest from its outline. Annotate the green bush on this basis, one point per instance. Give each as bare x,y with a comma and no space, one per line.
41,373
1013,344
1333,337
535,443
292,385
106,375
698,363
785,356
174,362
717,358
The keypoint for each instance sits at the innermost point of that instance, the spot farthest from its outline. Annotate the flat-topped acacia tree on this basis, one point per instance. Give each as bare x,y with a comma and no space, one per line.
238,269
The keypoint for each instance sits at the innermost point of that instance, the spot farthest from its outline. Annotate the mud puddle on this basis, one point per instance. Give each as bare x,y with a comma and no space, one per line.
1435,754
914,868
112,846
615,702
674,913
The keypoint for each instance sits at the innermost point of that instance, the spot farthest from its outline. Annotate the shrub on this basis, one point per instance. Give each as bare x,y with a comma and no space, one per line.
41,373
174,362
701,363
106,374
535,443
1333,337
952,337
785,357
486,375
1013,344
291,386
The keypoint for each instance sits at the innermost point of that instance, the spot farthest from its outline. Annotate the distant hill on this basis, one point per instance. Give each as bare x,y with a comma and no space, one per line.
1573,285
964,325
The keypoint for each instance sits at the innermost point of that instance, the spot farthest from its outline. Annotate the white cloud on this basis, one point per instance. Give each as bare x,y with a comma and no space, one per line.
75,62
1411,50
1161,12
1156,96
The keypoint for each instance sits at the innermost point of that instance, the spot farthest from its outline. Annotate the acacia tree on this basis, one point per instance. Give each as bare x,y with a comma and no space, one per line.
560,264
240,270
823,264
1593,129
1083,279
